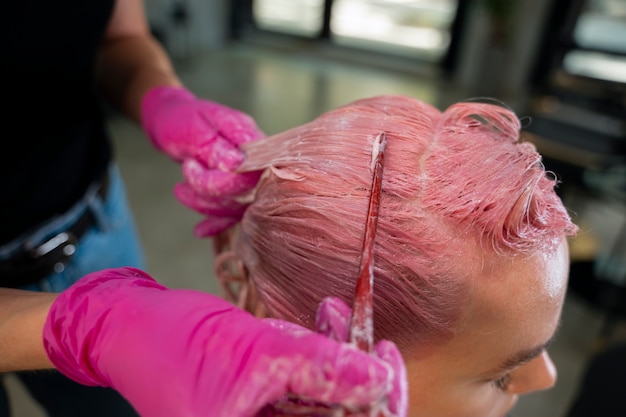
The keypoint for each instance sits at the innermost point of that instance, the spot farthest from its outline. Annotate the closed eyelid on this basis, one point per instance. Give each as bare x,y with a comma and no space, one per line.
519,359
525,358
503,382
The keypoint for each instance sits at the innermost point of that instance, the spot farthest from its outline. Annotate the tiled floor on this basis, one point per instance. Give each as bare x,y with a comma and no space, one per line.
280,90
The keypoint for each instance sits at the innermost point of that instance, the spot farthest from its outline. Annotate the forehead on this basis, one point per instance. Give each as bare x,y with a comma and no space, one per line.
511,285
515,302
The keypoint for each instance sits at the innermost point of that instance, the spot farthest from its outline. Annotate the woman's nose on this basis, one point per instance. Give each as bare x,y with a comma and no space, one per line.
536,375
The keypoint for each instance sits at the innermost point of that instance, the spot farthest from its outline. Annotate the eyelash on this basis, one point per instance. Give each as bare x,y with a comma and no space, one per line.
503,382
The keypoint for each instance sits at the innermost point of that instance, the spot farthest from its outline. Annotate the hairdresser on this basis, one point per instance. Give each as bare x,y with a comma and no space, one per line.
67,231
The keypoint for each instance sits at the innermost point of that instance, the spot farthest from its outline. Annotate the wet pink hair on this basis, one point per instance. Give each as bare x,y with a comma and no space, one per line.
451,180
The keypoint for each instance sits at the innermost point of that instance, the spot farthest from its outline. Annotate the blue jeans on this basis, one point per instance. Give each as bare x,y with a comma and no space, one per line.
111,242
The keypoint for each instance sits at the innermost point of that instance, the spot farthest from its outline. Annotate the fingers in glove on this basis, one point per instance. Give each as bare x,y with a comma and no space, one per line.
215,183
333,319
219,153
353,379
209,206
238,127
316,367
288,327
397,399
213,226
221,215
334,316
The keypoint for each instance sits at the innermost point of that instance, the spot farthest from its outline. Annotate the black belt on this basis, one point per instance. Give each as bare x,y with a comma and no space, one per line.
31,265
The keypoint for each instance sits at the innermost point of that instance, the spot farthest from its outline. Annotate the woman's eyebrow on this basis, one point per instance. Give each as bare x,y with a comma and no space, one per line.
522,357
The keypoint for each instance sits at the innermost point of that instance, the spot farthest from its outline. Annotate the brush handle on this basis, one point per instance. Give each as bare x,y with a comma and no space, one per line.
362,323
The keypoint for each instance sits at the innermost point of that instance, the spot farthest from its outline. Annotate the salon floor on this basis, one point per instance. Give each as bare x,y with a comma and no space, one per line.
281,89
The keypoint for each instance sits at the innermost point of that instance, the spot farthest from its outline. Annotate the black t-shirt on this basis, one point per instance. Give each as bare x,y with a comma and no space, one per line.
54,142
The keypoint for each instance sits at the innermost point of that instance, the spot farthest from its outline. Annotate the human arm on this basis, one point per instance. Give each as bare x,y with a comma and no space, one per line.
22,316
187,352
137,76
130,61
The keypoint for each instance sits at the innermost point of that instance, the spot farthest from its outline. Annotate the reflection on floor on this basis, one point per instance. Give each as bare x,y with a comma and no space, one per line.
281,90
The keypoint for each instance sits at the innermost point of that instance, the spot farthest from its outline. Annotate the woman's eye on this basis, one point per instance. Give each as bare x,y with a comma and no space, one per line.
503,382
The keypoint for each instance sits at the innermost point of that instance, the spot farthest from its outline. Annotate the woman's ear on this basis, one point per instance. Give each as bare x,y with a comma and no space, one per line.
251,300
237,287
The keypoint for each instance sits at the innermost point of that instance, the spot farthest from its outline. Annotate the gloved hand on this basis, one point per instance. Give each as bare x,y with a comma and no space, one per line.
333,320
188,353
204,136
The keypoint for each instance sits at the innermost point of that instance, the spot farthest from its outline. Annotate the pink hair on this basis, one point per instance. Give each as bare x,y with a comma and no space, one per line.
451,180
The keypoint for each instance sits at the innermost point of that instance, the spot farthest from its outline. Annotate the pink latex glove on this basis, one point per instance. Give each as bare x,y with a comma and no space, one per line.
204,136
188,353
333,320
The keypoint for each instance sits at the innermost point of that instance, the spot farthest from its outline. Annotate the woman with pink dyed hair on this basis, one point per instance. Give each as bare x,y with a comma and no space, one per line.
471,258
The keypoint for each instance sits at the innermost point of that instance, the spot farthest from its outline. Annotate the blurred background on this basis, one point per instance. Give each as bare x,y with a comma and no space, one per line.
560,64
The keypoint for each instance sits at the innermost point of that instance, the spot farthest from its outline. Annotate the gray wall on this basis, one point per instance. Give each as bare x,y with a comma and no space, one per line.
204,29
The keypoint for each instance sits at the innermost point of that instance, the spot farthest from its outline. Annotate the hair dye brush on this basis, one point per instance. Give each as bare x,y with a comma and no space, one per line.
361,322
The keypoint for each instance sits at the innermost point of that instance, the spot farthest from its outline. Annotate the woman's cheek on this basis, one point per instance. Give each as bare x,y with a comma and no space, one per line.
480,399
475,399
